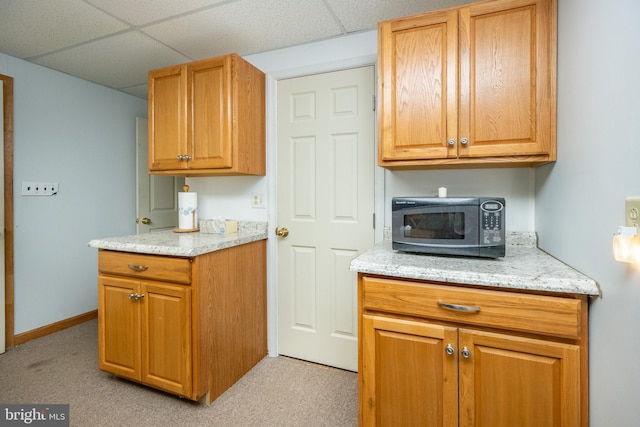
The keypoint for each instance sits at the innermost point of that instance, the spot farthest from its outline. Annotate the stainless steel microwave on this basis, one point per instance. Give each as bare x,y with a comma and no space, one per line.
463,226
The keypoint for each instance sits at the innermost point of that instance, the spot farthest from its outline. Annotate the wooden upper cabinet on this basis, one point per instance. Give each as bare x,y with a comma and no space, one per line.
207,118
210,113
417,77
167,117
474,85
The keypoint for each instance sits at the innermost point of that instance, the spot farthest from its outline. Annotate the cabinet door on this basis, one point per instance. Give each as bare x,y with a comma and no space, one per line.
167,118
118,327
511,381
407,377
166,337
210,104
418,78
506,78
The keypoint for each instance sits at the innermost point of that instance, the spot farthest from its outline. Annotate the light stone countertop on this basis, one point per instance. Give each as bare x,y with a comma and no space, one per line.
523,268
183,244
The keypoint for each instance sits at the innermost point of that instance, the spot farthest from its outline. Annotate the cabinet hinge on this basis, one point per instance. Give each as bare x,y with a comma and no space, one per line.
373,105
374,220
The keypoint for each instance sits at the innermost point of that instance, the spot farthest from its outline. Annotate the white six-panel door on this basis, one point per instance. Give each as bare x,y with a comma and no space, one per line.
156,195
325,196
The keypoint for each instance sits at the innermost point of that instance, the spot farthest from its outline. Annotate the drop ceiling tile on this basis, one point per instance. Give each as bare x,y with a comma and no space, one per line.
141,91
247,26
365,15
120,61
32,27
145,11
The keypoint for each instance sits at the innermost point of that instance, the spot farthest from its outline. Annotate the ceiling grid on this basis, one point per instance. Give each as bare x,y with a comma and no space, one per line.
116,42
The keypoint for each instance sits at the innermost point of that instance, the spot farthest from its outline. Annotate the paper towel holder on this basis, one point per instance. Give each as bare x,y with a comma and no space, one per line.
191,211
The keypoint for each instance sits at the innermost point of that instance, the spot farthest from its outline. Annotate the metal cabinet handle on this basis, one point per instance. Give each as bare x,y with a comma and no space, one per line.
449,349
138,267
465,352
451,141
458,307
136,296
464,141
185,157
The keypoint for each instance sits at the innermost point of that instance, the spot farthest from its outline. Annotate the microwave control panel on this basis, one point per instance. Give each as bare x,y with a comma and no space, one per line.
492,218
492,222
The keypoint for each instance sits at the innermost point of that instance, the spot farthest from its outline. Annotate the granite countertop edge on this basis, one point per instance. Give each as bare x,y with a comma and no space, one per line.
181,244
523,268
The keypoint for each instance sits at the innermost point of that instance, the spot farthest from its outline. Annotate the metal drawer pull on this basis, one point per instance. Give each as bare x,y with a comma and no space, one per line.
458,307
136,296
138,267
449,349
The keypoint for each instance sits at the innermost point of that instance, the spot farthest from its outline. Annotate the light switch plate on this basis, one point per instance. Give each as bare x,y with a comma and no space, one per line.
632,211
257,201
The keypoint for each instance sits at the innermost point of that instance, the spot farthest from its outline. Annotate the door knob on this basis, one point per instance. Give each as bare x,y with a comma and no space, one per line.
145,221
282,232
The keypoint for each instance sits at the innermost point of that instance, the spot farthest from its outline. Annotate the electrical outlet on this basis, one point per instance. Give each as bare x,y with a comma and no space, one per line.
39,188
632,211
257,201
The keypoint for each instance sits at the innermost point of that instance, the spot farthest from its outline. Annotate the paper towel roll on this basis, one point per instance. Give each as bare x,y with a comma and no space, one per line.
188,211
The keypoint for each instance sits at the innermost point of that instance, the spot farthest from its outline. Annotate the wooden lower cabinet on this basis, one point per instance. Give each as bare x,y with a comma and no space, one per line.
508,380
406,377
194,337
146,338
453,371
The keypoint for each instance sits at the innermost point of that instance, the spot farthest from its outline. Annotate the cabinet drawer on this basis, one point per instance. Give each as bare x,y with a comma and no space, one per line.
156,267
538,314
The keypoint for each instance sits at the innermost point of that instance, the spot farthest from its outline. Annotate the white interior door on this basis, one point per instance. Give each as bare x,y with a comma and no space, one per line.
157,195
325,194
3,342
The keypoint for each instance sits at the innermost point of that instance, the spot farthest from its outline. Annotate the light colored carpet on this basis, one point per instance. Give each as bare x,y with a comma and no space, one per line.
62,368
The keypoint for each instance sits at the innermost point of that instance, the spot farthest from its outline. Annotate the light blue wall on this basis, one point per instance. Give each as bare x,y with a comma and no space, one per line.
82,136
580,200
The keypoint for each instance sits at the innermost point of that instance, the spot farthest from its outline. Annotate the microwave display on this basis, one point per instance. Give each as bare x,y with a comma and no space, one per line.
443,225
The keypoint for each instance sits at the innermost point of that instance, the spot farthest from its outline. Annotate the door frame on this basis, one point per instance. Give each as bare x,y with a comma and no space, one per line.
272,143
7,100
